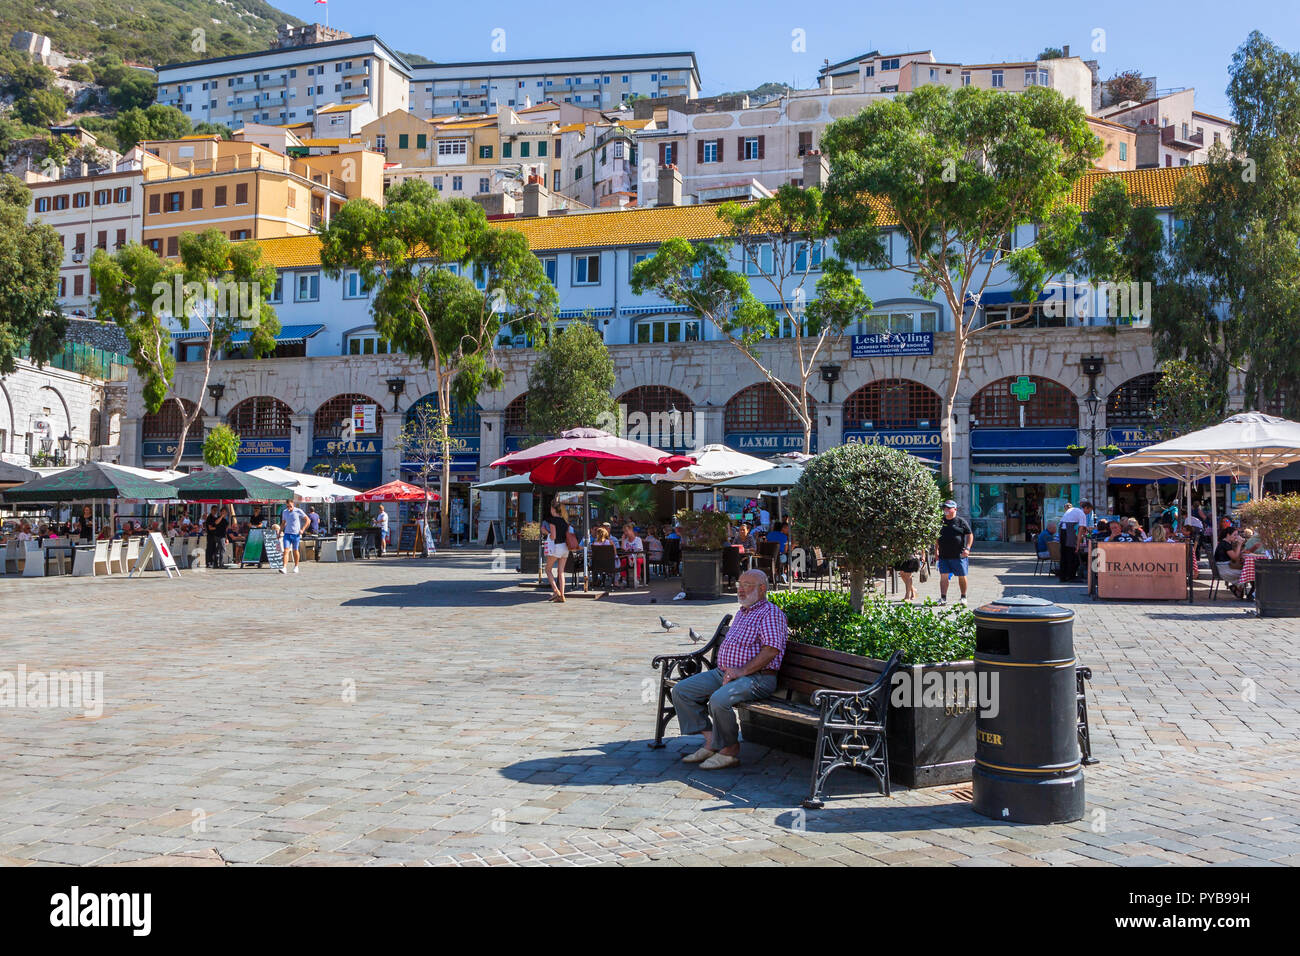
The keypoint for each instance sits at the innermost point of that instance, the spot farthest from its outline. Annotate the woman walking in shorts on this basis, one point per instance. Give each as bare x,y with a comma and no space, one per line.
557,555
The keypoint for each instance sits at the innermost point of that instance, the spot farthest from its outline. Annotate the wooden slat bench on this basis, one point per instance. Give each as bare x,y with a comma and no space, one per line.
847,703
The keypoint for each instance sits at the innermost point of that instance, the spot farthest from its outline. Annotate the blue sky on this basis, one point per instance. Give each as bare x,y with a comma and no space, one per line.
741,44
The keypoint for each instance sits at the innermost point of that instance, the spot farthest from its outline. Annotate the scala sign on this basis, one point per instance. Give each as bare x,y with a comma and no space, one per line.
893,343
337,446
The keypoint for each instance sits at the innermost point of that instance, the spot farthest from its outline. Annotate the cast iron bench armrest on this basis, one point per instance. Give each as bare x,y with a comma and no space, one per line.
678,667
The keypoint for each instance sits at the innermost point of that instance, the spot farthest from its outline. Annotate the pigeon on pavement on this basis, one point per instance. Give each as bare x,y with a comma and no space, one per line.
666,624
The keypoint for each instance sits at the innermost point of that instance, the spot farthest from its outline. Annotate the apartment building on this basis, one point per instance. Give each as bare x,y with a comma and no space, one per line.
1170,130
246,190
904,72
288,84
1119,145
602,162
99,210
741,153
600,82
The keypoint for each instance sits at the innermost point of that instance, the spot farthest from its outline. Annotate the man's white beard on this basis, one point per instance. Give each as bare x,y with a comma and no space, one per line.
750,602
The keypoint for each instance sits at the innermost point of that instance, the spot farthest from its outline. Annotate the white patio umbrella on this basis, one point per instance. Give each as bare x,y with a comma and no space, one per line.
306,487
1250,443
714,463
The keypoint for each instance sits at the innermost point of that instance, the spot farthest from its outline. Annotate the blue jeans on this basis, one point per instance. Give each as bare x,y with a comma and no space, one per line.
703,702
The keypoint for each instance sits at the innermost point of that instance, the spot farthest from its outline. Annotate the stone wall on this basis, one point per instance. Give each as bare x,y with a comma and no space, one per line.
100,335
708,373
71,403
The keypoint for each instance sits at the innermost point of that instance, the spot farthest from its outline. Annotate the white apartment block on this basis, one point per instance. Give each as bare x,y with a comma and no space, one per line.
287,84
904,72
1170,130
597,82
102,211
600,163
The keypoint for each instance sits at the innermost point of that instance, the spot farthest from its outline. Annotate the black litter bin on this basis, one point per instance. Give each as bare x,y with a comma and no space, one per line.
1027,766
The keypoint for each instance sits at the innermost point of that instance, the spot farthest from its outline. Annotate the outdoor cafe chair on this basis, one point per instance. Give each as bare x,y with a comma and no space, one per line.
604,565
345,548
115,557
329,548
87,556
1048,559
731,565
768,561
10,556
34,560
132,554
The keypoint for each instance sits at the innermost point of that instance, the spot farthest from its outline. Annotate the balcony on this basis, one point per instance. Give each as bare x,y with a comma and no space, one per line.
1172,137
272,83
356,71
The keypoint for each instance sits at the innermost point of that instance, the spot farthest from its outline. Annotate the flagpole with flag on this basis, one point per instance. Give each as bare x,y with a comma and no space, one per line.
325,4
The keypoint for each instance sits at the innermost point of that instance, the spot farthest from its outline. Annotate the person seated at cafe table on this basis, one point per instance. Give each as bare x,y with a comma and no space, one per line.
1117,533
1159,533
631,542
654,548
742,536
1228,560
1043,537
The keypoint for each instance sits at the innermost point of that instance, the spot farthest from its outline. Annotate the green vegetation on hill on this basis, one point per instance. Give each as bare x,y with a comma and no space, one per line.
147,31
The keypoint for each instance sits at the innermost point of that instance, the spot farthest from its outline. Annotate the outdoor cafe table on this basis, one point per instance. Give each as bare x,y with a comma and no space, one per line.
1248,566
69,549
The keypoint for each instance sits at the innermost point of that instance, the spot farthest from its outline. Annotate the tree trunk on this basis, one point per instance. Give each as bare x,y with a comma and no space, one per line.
950,399
857,584
444,411
187,421
808,420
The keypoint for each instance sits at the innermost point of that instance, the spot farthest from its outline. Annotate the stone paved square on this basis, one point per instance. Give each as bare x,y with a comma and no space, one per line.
400,711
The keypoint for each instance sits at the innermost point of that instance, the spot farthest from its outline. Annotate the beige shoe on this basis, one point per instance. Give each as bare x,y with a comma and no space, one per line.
701,755
720,762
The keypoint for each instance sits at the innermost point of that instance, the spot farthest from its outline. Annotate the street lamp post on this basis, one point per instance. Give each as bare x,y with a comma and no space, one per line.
65,446
1093,367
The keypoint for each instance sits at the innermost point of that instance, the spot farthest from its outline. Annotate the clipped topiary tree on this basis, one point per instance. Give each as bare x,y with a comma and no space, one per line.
872,505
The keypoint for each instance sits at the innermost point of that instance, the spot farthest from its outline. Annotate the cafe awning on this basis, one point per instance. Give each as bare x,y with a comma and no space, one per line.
288,335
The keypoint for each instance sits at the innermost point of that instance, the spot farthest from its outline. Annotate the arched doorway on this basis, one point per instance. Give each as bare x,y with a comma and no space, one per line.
1022,476
758,421
265,427
660,416
896,412
160,430
357,461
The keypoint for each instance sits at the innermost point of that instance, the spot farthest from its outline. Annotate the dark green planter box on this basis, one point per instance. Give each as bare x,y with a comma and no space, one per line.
928,746
530,561
702,575
1277,588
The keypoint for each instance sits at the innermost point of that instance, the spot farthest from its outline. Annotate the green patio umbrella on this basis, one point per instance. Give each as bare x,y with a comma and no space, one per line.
90,481
228,484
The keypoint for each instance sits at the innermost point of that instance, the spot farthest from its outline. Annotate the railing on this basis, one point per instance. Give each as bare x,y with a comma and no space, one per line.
1169,136
88,361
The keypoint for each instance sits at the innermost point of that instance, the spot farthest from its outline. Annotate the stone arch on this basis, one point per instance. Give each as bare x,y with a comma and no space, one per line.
330,414
1047,404
166,422
1129,403
893,403
760,408
262,416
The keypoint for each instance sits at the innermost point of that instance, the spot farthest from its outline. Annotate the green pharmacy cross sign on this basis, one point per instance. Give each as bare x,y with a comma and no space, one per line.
1023,389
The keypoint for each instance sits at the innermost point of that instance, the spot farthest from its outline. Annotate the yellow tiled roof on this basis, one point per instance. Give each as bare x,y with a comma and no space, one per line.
652,225
572,127
337,141
338,108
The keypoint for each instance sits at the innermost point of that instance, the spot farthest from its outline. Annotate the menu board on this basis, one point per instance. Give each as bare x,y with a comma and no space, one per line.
262,547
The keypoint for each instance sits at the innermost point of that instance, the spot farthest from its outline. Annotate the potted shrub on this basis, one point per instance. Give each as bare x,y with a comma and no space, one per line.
530,537
704,535
1110,451
1277,579
1075,451
932,703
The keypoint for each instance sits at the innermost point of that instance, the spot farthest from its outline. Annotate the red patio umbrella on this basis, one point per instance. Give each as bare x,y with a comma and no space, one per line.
583,453
396,491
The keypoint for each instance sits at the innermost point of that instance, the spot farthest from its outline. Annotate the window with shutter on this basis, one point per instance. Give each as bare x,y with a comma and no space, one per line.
219,197
699,151
241,194
155,203
196,199
719,144
760,146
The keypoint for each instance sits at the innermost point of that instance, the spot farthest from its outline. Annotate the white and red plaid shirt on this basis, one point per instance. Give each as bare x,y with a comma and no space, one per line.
752,629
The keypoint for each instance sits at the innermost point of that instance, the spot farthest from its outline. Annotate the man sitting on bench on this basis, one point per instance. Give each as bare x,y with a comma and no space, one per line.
748,661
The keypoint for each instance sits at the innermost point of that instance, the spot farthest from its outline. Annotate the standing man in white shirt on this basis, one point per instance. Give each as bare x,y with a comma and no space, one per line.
292,520
1073,523
381,521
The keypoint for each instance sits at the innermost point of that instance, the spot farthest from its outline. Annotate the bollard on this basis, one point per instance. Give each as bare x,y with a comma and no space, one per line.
1027,766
